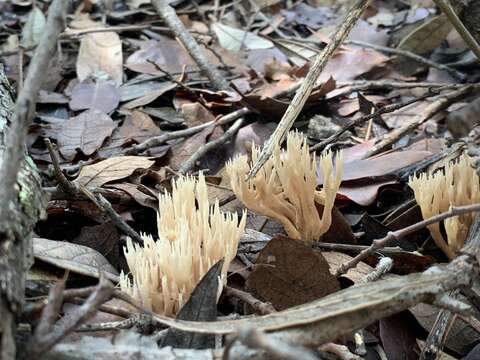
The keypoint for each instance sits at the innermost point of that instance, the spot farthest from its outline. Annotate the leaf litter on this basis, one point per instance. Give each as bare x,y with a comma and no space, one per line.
128,83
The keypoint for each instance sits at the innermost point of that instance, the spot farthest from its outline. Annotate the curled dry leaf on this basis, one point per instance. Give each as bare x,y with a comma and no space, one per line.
114,168
77,258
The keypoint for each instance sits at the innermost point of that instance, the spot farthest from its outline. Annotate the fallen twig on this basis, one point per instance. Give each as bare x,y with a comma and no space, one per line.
105,205
189,164
439,104
307,85
65,184
396,235
49,335
162,139
260,306
175,24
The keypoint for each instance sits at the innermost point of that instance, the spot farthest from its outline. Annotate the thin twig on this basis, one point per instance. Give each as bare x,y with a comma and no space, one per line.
383,110
396,235
162,139
45,341
259,306
190,163
167,13
105,205
430,110
307,85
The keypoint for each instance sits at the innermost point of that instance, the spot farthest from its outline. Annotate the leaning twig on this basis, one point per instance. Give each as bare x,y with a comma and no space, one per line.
162,139
105,205
42,342
396,235
189,164
341,351
305,89
458,25
441,103
388,50
168,14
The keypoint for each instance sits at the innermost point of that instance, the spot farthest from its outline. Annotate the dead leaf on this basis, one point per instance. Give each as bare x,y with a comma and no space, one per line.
99,56
101,95
103,238
182,151
398,337
85,132
149,97
76,258
349,63
289,273
166,53
139,196
196,114
363,194
379,166
114,168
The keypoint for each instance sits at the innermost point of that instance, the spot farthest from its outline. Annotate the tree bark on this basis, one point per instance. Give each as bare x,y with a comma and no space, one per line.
24,211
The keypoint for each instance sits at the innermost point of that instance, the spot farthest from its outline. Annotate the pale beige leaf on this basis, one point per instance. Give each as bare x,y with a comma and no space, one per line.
111,169
100,56
77,258
336,259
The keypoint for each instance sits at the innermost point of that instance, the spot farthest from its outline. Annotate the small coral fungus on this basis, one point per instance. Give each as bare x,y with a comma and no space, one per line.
285,188
192,236
457,185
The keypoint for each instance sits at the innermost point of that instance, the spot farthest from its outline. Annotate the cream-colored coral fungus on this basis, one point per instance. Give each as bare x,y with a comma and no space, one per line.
457,185
192,236
285,187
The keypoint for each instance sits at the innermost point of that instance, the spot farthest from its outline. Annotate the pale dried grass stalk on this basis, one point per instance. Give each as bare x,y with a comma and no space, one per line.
192,236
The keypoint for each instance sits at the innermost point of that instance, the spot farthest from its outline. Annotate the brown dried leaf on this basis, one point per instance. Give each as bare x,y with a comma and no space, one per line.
288,273
77,258
85,132
101,95
196,114
182,151
114,168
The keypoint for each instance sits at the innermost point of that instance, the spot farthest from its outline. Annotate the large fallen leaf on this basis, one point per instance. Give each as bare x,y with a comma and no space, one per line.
234,39
428,36
101,95
349,63
76,258
34,27
165,53
100,54
289,273
114,168
85,132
